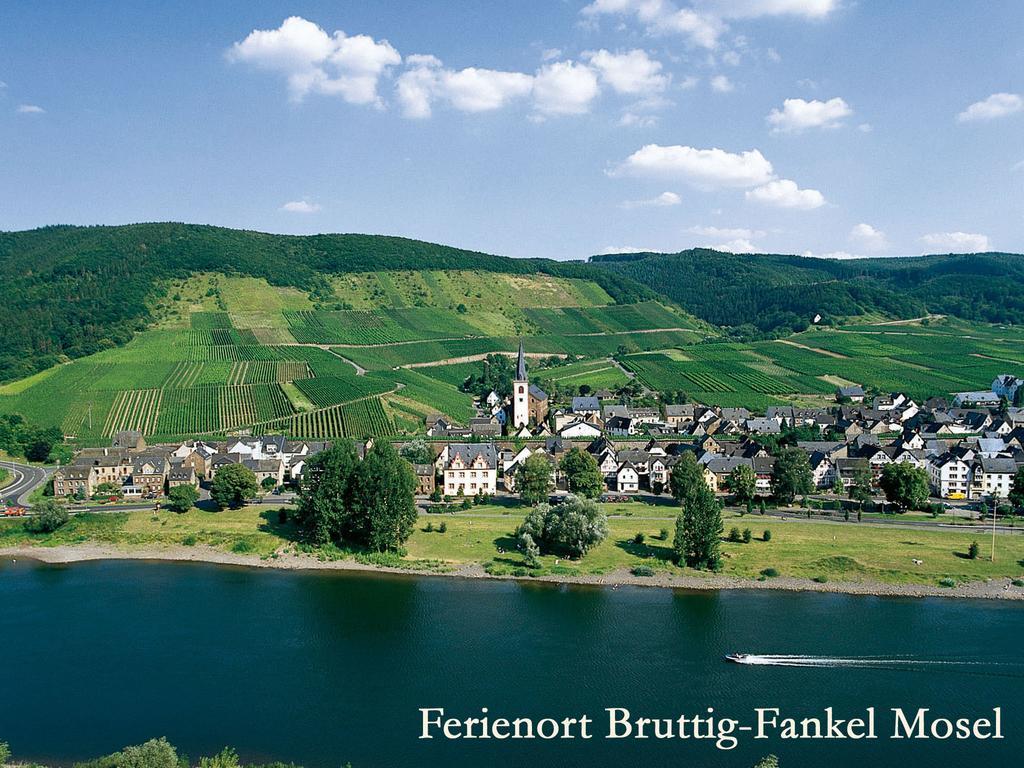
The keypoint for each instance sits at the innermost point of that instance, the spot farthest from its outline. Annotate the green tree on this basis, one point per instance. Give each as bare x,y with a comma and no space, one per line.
861,491
687,478
571,527
232,485
792,476
1017,488
771,761
533,480
5,753
743,483
47,516
417,452
582,473
268,483
181,498
326,491
383,511
226,758
837,485
699,531
905,485
107,489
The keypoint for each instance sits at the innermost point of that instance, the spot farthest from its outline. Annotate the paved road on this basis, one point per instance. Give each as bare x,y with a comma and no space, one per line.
26,480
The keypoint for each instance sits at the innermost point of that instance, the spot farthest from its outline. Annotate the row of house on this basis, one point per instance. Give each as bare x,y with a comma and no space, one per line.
142,471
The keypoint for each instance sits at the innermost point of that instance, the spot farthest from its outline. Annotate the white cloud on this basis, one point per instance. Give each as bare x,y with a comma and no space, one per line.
798,115
688,83
611,249
784,193
467,90
30,109
703,24
633,72
840,255
550,54
865,128
721,84
750,9
957,242
1018,166
869,238
733,233
773,56
664,200
700,167
301,206
634,120
996,105
740,245
564,88
315,62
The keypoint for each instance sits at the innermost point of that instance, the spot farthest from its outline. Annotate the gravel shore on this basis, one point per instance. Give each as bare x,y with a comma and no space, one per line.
998,589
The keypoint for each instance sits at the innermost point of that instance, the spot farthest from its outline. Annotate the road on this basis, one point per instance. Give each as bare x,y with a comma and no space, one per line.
26,480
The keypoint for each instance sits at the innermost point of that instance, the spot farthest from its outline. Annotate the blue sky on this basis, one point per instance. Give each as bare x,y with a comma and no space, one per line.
554,128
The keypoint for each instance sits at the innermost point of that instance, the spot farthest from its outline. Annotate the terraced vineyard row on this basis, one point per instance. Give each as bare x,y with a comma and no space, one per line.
267,371
328,390
361,419
376,326
134,409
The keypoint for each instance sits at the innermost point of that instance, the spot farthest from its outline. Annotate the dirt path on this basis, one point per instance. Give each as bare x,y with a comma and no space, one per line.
475,358
825,352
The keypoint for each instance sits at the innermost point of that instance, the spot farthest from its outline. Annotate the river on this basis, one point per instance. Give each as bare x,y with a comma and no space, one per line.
327,668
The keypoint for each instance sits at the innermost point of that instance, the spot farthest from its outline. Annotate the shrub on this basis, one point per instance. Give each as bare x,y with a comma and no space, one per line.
638,539
767,535
282,516
642,570
946,581
663,534
734,535
770,573
429,528
48,515
973,551
190,541
1018,582
520,571
443,527
821,579
243,546
5,753
747,536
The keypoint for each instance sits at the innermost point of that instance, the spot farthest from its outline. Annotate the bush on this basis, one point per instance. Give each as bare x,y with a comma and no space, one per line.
748,536
1018,582
282,516
638,539
770,573
190,540
642,570
243,546
767,535
973,551
663,534
947,582
47,517
443,527
5,753
821,579
734,535
429,528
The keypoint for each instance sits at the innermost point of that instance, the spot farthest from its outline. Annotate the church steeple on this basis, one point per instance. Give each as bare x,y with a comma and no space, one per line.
521,367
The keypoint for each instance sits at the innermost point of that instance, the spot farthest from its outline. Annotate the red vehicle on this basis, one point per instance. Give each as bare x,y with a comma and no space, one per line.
14,512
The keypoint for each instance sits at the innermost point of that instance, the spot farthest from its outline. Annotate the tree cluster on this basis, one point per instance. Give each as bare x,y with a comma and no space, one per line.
571,527
368,503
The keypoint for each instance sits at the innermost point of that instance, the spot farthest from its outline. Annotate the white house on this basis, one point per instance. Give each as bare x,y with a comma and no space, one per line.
992,476
627,479
470,468
579,429
951,476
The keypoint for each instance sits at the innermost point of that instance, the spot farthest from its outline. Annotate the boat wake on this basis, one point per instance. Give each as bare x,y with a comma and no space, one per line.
879,662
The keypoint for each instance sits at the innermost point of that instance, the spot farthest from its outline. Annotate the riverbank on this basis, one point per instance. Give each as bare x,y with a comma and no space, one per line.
1001,589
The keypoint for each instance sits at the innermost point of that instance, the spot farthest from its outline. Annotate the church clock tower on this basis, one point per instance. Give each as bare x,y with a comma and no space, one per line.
520,393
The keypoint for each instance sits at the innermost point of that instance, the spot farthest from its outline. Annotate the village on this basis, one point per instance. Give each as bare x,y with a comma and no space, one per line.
971,445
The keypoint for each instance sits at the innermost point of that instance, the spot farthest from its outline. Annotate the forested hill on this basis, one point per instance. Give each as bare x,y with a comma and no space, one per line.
767,293
71,291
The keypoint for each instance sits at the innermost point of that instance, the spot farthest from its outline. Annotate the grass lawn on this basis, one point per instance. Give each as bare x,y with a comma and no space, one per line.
833,551
5,478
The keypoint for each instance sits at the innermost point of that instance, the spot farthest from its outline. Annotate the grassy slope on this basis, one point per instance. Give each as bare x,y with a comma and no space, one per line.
838,552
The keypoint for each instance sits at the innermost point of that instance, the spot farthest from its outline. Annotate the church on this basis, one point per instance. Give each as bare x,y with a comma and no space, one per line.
529,402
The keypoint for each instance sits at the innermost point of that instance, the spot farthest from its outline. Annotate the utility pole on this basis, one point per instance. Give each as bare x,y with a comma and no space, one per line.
993,529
